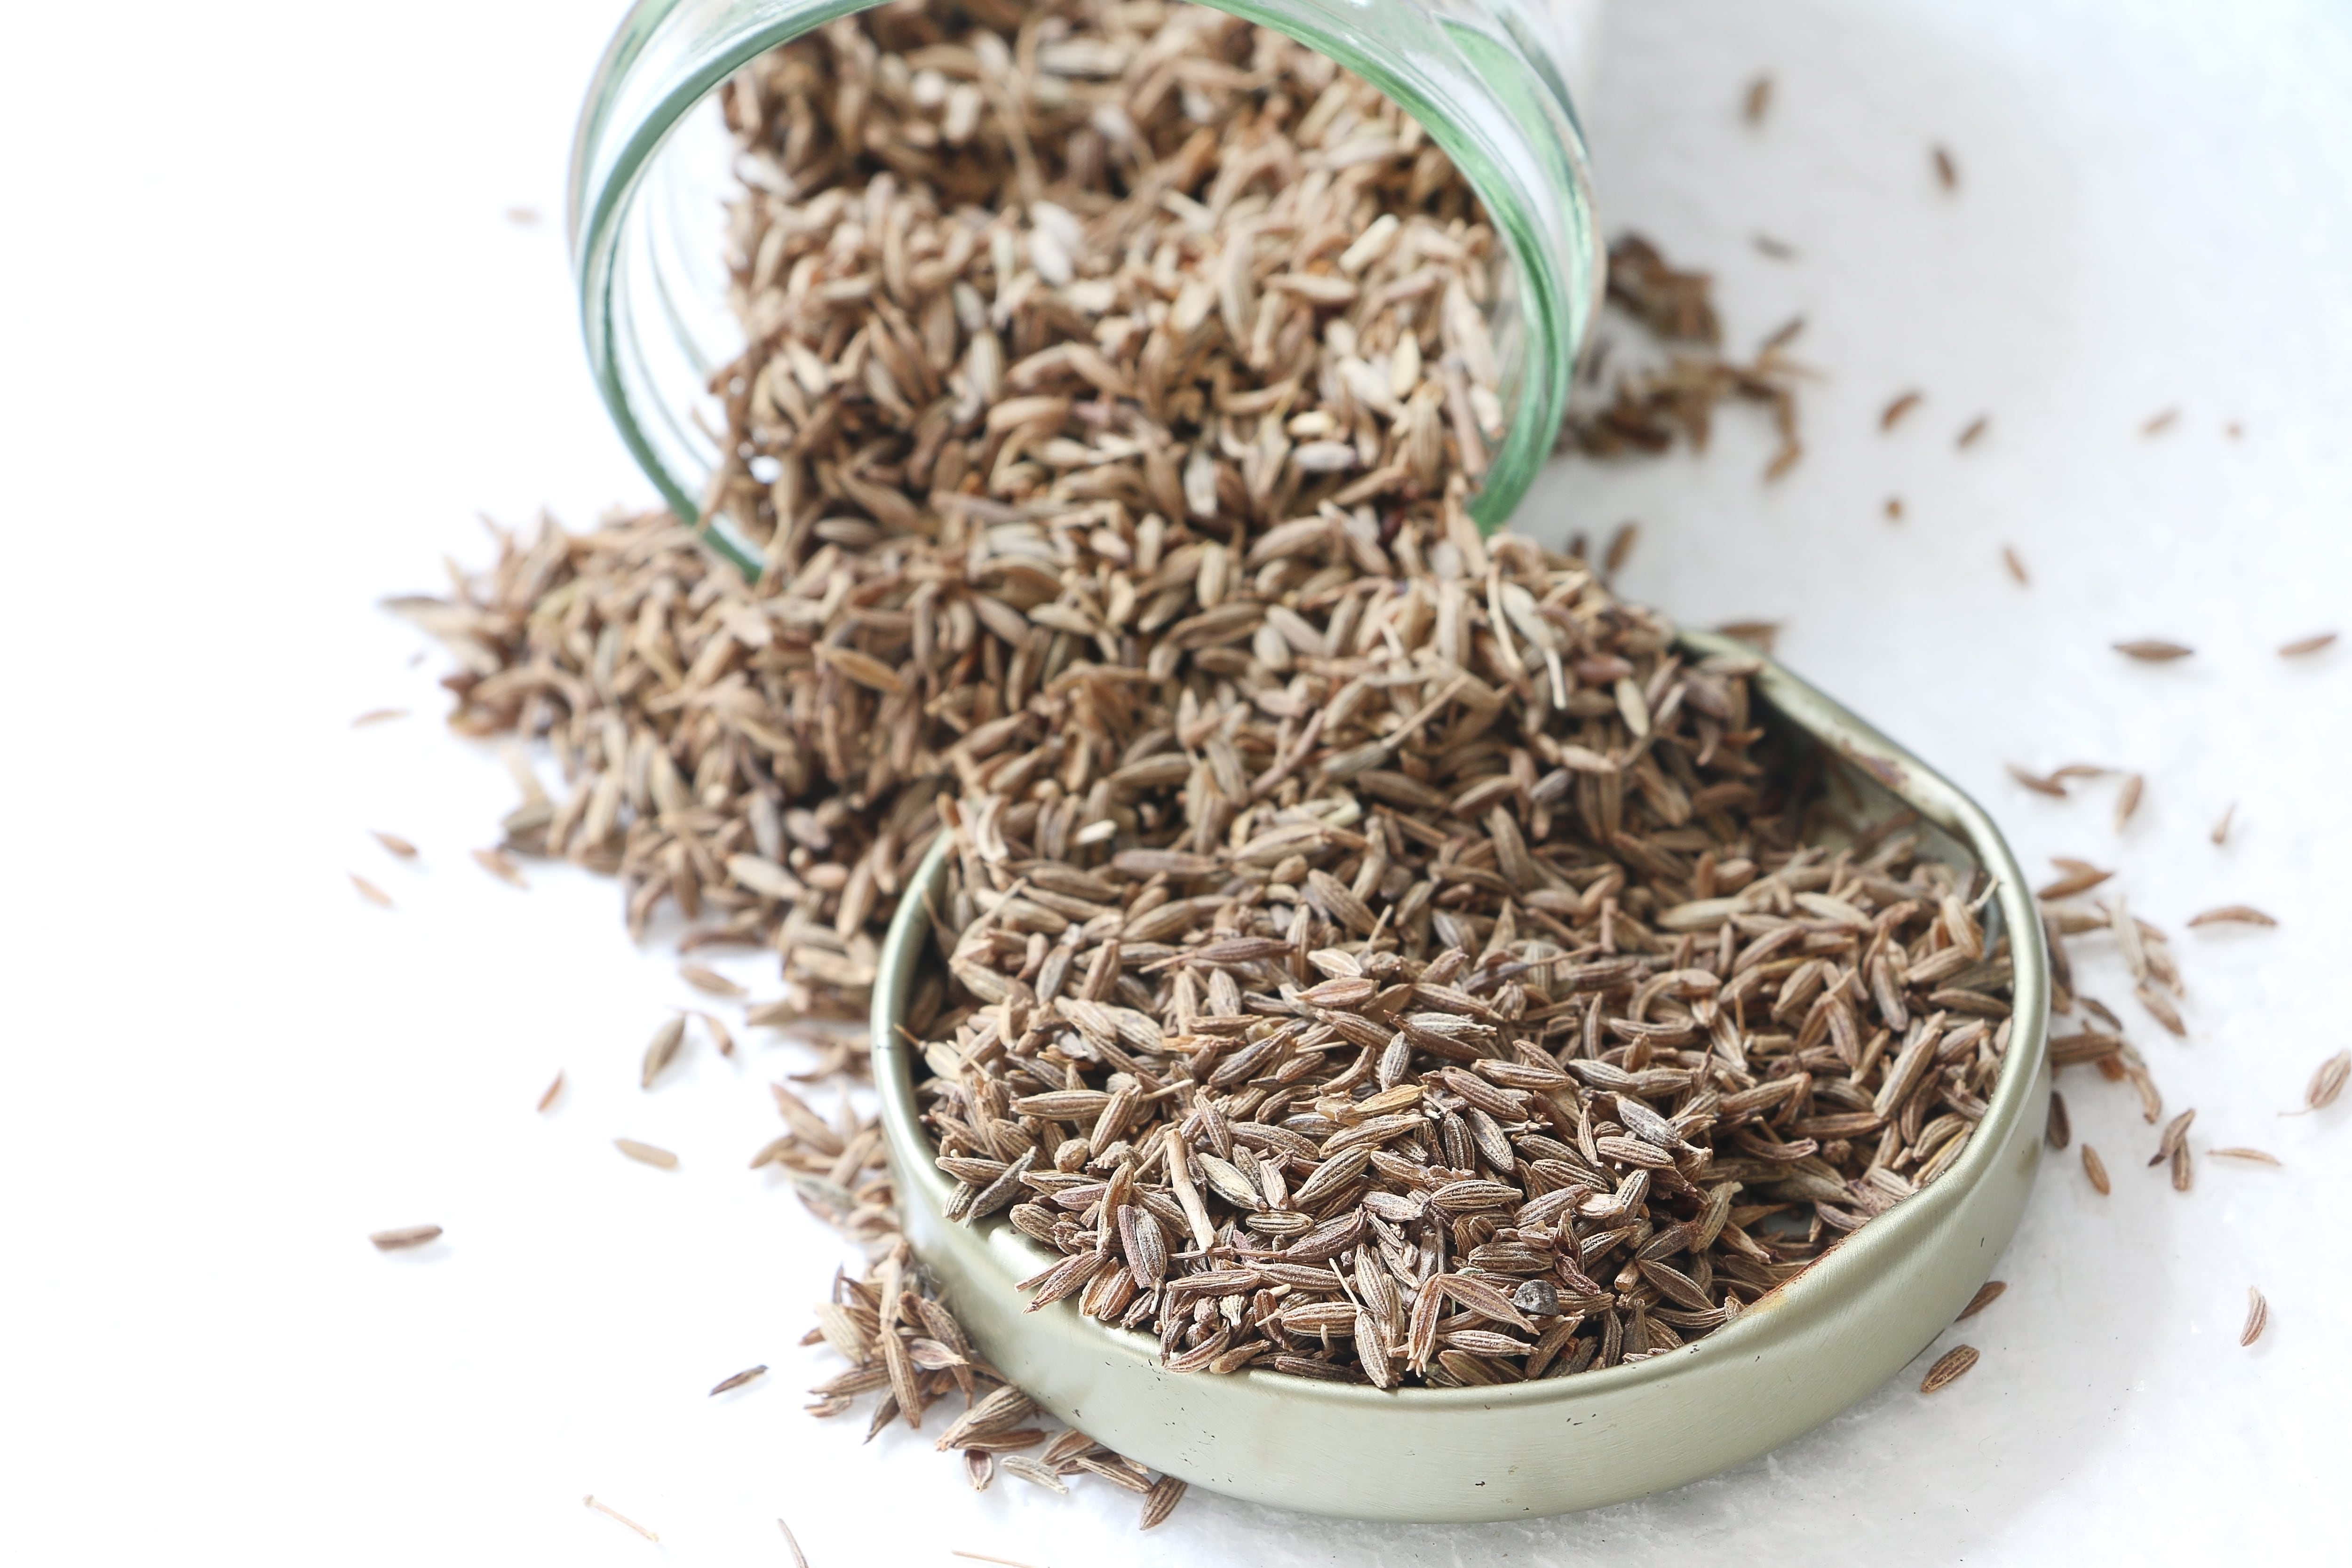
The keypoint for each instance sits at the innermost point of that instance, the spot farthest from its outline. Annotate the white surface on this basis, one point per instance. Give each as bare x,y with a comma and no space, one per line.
268,344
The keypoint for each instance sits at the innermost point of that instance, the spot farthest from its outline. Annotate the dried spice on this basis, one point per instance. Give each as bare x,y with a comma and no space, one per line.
2158,424
2258,1317
1757,101
739,1379
612,1513
2058,1131
2327,1082
369,891
2232,914
500,864
2310,644
1948,172
405,1237
394,843
2152,651
1987,1294
2096,1169
1949,1368
378,716
554,1088
2252,1156
2016,567
646,1154
1894,412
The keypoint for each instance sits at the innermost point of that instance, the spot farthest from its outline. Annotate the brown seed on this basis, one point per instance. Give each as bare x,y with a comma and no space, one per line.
1904,403
1987,1294
378,716
1620,547
611,1512
793,1545
2174,1132
2127,802
2037,784
1165,1494
2328,1082
370,892
1949,1368
646,1153
2151,651
2059,1129
2258,1317
718,1034
1894,508
407,1235
1757,101
2302,646
2158,424
2221,829
2252,1156
554,1088
709,980
2183,1177
1948,174
2080,877
2232,914
395,844
662,1050
2096,1169
2016,567
1973,431
500,864
739,1379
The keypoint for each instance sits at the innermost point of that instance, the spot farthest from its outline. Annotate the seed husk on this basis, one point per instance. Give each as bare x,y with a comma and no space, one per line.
611,1512
1987,1294
739,1379
647,1154
2096,1169
2150,650
1949,1368
405,1236
2258,1316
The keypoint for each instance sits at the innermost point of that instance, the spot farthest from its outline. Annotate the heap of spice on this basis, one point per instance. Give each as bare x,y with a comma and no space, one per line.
1487,997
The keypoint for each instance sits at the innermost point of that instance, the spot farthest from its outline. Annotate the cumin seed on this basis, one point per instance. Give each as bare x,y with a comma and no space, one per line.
404,1237
1949,1368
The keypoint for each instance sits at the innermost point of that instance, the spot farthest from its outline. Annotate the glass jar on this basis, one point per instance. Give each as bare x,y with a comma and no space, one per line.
653,168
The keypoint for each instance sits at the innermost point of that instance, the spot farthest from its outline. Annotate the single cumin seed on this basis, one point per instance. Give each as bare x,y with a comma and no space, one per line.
2258,1316
378,716
2302,645
611,1512
647,1154
554,1088
500,864
739,1379
2150,650
370,892
395,843
1949,1368
405,1236
2096,1169
1987,1294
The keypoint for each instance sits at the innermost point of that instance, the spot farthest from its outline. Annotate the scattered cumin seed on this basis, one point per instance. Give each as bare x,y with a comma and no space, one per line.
370,892
2158,424
2221,829
2174,1132
1948,174
1620,548
2127,801
2252,1156
1904,403
407,1235
2037,784
1160,1501
2327,1082
2080,877
1949,1368
2151,651
2096,1169
611,1512
1895,509
554,1088
500,864
739,1379
2302,646
709,980
394,843
2183,1177
1987,1294
523,217
2059,1129
1777,249
719,1036
378,716
1972,431
2016,567
2232,914
662,1050
1783,460
646,1153
2258,1317
793,1544
1757,101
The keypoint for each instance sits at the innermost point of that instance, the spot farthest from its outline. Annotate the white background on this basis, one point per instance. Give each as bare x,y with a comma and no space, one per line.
267,344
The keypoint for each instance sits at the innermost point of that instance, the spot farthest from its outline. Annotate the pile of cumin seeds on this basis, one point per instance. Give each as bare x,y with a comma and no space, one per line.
1425,1026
